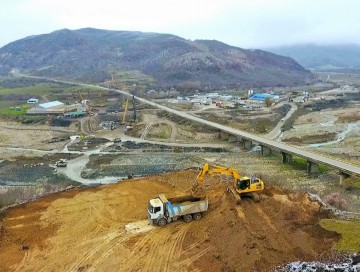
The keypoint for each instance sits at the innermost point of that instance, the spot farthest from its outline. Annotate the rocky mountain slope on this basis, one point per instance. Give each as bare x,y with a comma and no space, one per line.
93,55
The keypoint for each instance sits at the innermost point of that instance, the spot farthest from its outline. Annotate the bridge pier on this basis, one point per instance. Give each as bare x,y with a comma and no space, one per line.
343,177
247,144
286,157
312,167
265,151
223,135
233,139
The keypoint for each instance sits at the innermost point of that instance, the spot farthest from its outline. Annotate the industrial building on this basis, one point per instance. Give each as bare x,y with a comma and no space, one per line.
53,107
262,97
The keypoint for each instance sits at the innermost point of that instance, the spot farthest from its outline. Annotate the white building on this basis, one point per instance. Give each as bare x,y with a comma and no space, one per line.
53,107
32,101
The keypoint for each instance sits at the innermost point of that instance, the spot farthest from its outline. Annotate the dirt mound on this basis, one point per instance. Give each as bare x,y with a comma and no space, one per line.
101,228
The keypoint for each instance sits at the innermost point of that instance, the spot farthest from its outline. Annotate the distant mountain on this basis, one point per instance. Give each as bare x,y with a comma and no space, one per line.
322,57
93,55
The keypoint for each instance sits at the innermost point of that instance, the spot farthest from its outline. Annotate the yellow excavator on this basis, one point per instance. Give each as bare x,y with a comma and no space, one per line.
239,187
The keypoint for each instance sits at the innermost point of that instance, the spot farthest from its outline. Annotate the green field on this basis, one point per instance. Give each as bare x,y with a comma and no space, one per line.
21,90
48,89
15,110
349,230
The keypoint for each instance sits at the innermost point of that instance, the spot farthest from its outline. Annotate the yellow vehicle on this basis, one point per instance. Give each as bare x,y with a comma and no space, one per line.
239,187
124,120
126,105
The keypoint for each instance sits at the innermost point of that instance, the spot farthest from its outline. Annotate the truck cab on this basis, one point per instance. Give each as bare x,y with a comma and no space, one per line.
156,209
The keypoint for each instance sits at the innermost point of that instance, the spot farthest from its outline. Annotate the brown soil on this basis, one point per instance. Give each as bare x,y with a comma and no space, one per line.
312,139
105,229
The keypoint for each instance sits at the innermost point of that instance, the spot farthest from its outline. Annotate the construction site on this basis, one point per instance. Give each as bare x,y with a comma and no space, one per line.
129,187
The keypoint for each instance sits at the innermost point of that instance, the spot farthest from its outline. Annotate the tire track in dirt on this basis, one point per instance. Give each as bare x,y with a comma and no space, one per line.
107,254
23,262
266,219
147,249
172,256
108,238
188,261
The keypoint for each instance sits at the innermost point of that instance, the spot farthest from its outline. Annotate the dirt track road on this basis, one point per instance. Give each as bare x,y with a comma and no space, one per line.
105,229
275,133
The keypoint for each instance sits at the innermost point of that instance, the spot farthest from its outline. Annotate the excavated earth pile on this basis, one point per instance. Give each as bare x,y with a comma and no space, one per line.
105,229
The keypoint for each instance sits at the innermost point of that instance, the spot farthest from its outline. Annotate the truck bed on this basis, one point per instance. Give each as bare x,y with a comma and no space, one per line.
186,198
179,206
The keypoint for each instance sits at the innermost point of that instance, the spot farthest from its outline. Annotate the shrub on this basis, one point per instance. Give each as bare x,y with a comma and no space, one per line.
336,200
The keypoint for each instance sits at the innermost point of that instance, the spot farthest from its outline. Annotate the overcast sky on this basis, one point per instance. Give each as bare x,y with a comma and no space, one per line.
243,23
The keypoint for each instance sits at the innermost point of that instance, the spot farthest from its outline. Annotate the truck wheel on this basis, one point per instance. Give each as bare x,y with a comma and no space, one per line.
162,222
187,218
197,216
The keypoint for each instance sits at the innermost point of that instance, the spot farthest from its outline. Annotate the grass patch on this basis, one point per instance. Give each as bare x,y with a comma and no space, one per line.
324,168
8,111
301,164
357,184
349,230
160,131
38,89
49,89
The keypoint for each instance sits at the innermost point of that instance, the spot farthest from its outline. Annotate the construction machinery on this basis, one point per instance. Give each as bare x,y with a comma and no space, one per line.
126,106
239,187
85,103
112,81
162,211
61,163
134,108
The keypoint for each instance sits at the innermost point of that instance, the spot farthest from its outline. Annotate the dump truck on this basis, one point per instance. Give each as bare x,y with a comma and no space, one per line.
162,211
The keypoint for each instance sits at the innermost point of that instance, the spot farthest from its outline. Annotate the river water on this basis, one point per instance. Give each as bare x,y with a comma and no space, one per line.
340,136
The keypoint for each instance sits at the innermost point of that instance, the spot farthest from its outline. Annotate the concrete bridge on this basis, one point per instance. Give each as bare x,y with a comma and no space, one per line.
267,146
247,139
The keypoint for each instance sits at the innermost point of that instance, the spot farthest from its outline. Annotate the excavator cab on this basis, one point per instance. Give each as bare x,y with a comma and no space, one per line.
243,183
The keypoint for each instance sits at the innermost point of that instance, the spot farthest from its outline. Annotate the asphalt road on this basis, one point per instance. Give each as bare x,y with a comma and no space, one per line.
275,133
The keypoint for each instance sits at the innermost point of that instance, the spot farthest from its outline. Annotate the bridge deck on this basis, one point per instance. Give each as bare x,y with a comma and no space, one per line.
337,164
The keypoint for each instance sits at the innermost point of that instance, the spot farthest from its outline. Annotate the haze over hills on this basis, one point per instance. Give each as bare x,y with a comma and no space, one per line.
322,56
93,55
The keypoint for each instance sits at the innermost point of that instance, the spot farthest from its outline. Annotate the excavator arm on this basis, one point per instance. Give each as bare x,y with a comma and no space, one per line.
240,185
207,169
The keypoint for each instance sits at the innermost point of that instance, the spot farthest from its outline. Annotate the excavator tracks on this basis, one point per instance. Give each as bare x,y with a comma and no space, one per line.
237,198
233,194
254,196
